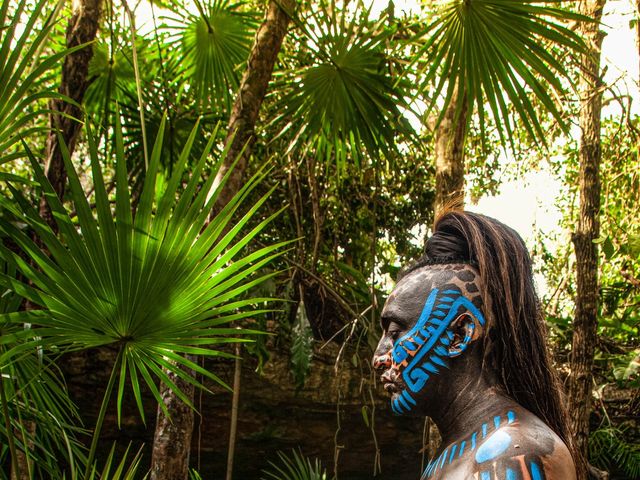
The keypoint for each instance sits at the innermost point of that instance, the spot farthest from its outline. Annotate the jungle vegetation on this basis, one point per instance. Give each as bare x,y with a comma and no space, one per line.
206,197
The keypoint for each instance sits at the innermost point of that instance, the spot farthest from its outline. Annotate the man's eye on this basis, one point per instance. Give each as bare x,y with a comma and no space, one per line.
394,332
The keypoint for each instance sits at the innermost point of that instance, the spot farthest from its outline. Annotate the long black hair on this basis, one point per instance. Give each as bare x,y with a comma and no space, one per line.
515,344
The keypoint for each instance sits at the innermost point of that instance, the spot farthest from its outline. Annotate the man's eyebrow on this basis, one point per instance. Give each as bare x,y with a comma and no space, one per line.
387,317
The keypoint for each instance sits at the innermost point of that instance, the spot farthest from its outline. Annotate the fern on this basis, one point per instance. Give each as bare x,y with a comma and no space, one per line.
607,449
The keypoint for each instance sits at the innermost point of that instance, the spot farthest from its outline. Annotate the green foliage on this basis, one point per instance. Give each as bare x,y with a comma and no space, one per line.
22,68
126,469
111,68
35,393
619,267
495,52
156,284
627,370
295,467
343,98
301,347
215,43
607,450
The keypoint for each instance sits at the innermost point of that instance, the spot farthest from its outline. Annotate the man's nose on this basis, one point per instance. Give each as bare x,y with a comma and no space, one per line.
382,361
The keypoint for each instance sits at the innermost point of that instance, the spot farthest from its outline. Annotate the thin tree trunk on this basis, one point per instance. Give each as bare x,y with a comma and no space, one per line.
172,437
177,431
638,80
82,28
450,141
235,402
253,88
586,315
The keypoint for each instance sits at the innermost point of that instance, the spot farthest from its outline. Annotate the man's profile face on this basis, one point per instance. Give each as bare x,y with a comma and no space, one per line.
418,340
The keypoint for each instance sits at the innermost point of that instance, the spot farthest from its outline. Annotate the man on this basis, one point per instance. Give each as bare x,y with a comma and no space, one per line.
464,343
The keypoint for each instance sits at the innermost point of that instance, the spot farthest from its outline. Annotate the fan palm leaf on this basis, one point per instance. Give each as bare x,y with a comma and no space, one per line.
215,43
22,87
157,284
501,54
346,98
34,393
113,77
296,467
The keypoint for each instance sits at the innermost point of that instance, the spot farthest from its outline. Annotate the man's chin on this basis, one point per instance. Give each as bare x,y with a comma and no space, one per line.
402,403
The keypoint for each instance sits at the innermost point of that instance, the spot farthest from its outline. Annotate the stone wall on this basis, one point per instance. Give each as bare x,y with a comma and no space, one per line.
324,417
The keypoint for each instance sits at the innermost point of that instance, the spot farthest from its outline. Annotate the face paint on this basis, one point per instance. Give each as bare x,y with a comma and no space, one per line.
424,350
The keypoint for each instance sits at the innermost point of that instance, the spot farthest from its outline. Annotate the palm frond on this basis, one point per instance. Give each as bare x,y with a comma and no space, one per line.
608,449
35,393
499,54
346,98
151,282
295,467
22,70
215,44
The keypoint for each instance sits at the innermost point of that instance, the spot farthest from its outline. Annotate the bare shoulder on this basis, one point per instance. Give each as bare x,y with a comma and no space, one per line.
529,450
516,446
540,449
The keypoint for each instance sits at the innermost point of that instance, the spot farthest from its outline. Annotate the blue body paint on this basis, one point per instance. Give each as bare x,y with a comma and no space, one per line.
453,452
485,475
536,474
444,457
492,447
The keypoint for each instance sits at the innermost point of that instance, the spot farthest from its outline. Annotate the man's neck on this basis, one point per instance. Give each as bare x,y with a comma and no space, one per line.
471,406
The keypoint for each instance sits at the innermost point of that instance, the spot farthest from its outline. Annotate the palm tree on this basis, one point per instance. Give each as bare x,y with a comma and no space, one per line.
495,58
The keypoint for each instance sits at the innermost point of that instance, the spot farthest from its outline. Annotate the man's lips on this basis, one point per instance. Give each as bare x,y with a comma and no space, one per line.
389,386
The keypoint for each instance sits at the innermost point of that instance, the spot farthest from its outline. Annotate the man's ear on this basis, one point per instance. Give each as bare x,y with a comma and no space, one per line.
465,329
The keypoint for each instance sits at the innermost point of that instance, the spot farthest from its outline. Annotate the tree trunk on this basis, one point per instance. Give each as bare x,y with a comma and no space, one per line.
638,50
82,28
450,141
586,315
253,88
172,438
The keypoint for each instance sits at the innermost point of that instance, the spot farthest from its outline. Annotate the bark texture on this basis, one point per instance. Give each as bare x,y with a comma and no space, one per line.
173,436
450,140
588,229
253,89
65,117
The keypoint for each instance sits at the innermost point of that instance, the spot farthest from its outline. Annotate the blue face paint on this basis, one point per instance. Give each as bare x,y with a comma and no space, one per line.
423,351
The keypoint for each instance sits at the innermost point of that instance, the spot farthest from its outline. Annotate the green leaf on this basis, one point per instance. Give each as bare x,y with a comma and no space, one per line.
497,52
145,281
215,44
